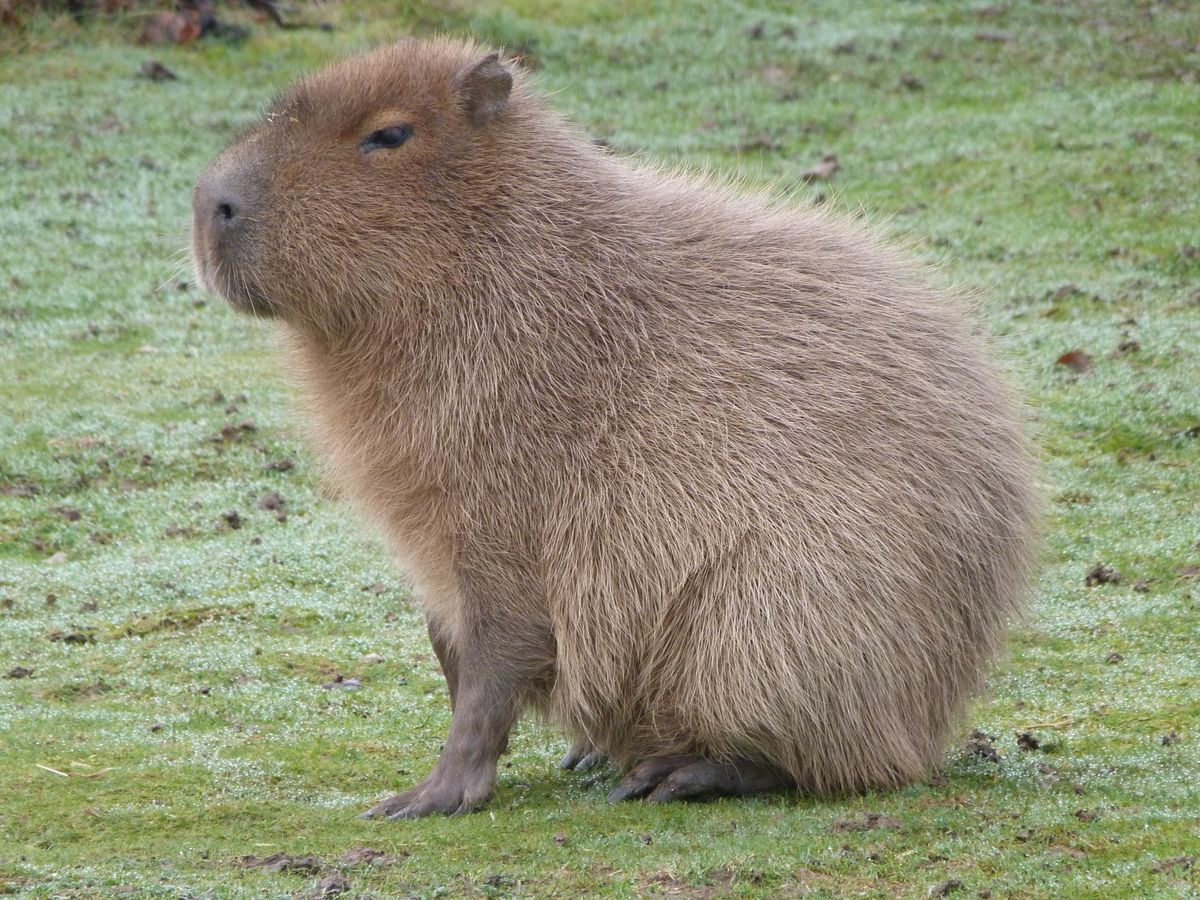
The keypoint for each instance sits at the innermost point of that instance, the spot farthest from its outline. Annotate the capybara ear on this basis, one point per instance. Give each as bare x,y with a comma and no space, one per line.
484,87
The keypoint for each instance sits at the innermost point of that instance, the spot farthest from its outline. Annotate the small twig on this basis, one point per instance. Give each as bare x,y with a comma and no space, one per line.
1061,723
95,774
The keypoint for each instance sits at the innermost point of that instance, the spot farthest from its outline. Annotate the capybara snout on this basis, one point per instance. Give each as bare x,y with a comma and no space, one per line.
226,223
727,489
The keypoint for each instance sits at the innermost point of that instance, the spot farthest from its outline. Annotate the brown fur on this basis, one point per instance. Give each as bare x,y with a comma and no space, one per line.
690,473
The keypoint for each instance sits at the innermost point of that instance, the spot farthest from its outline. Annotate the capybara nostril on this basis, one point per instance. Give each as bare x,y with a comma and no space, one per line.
220,200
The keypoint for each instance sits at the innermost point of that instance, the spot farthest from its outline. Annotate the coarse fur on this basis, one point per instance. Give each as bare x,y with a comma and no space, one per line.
704,476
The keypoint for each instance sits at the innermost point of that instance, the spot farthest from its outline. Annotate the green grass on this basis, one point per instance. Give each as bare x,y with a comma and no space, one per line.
190,717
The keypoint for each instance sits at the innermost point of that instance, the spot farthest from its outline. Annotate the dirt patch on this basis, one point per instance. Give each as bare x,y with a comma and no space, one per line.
982,746
717,884
22,489
70,693
234,432
1027,741
359,856
869,822
72,637
330,886
282,862
179,619
1182,863
1101,574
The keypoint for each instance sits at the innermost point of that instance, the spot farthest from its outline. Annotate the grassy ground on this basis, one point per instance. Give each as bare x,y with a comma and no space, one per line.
185,643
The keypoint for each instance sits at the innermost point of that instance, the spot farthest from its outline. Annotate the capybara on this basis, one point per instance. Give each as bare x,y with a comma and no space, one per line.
725,488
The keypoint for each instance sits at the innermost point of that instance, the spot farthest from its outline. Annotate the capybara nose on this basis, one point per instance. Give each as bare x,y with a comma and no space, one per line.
220,203
227,212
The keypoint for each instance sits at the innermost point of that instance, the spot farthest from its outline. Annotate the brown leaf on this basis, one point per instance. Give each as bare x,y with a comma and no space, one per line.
171,28
18,672
1076,360
156,71
822,170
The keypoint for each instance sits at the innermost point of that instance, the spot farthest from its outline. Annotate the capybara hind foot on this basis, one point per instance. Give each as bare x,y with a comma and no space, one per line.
646,776
692,778
582,757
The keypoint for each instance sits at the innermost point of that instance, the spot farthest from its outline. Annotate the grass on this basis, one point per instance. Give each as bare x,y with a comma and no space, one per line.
1045,154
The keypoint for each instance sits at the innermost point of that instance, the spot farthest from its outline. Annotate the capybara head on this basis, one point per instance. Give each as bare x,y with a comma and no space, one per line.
358,182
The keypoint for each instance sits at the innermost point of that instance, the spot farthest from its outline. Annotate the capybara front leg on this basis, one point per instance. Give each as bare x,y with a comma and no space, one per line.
445,655
487,700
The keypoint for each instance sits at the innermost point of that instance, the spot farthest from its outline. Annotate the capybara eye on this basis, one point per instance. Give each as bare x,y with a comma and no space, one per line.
386,138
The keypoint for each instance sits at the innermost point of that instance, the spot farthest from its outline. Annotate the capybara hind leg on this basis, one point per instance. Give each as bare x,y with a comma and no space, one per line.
706,779
646,776
582,756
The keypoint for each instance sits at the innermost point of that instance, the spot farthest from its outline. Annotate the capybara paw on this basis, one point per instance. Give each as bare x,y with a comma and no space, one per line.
646,775
433,796
582,756
675,778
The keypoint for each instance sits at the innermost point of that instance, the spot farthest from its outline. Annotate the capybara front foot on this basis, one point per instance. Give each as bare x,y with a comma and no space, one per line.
582,756
446,795
691,778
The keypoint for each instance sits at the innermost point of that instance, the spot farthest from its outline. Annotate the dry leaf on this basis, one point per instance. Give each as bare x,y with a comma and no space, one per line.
1076,360
822,170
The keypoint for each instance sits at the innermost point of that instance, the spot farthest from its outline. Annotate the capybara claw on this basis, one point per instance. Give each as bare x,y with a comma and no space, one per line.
581,757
